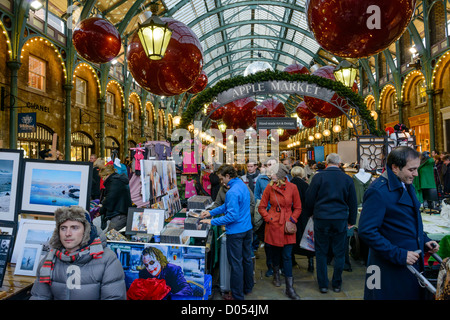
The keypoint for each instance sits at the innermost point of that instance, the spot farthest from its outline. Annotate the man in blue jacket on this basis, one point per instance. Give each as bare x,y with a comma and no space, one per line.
331,200
391,225
238,223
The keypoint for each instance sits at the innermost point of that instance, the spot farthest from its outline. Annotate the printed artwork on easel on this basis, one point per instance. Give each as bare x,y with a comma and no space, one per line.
157,178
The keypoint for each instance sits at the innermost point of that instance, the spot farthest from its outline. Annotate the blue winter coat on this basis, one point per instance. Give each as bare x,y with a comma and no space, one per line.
391,224
236,209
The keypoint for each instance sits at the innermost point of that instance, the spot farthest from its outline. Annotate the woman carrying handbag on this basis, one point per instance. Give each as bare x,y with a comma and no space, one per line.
281,219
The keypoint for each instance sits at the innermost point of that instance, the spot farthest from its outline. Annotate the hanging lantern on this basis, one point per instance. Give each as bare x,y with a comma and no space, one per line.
174,74
154,35
374,115
318,135
337,128
311,138
96,40
222,127
345,72
326,133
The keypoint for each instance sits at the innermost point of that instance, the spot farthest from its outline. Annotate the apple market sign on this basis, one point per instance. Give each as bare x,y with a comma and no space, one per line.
301,88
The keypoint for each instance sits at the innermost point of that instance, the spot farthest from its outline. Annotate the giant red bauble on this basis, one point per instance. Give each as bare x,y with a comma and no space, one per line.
303,111
239,114
309,123
296,68
200,84
320,107
274,107
358,28
96,40
177,71
218,113
285,136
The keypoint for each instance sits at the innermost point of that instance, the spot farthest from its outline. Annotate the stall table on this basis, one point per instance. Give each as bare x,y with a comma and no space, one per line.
15,287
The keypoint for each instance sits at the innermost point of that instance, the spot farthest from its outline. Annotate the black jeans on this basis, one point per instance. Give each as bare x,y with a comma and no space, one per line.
330,233
239,254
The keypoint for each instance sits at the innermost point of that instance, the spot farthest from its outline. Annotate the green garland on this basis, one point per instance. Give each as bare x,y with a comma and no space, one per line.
208,95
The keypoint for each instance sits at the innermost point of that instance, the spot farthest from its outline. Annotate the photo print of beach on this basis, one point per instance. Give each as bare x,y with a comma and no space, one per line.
6,175
55,187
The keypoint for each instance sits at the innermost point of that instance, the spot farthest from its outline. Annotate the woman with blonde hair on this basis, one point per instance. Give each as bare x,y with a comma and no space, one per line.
116,198
285,209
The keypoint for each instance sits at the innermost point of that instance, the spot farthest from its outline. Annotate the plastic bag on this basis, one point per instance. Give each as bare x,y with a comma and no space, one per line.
307,241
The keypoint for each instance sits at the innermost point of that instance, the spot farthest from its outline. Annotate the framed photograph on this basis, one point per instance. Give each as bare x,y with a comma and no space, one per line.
141,220
182,267
5,247
48,185
28,261
32,232
10,174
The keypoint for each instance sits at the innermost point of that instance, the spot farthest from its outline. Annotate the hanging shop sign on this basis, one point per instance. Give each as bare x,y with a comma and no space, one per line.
301,88
26,122
275,123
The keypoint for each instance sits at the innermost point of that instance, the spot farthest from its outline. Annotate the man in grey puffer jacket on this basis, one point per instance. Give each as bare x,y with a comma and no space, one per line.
79,265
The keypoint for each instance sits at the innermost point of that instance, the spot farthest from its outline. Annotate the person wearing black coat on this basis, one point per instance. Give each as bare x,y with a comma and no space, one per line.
298,175
116,198
215,183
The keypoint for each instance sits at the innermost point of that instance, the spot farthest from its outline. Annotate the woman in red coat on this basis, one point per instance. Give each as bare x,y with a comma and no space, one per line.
285,205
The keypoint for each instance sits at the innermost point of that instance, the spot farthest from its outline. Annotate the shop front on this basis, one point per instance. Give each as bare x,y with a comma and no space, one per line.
419,126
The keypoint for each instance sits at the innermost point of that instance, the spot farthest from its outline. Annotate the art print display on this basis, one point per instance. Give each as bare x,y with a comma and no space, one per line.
150,221
48,185
33,232
28,260
155,271
5,246
172,203
157,178
10,176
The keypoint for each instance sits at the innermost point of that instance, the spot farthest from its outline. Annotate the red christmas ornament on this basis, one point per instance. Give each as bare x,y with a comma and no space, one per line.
309,123
358,28
96,40
285,136
319,107
239,114
174,74
303,112
292,132
200,84
274,107
296,68
216,115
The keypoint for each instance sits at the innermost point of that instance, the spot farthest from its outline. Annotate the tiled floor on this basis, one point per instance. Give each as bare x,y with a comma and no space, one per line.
305,283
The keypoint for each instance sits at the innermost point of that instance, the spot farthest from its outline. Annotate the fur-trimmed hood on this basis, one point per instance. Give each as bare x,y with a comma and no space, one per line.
74,213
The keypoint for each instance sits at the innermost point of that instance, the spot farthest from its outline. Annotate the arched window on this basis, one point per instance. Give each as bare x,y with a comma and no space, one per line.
421,92
82,146
110,145
33,142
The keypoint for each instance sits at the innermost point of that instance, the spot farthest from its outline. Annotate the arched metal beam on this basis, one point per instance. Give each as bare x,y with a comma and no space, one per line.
245,49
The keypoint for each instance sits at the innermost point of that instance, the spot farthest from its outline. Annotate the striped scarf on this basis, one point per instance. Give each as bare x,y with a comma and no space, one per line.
95,249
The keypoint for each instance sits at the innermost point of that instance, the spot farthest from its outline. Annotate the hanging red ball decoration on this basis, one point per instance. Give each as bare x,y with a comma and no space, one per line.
319,107
239,114
96,40
218,113
358,28
292,132
296,68
177,71
274,108
200,84
303,111
309,123
284,137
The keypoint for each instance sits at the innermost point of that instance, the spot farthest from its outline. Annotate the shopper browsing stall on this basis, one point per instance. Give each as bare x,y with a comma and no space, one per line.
238,223
391,226
285,206
79,266
116,198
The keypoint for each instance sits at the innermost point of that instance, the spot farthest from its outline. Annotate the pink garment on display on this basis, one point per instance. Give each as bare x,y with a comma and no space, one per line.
138,156
190,189
189,166
206,182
